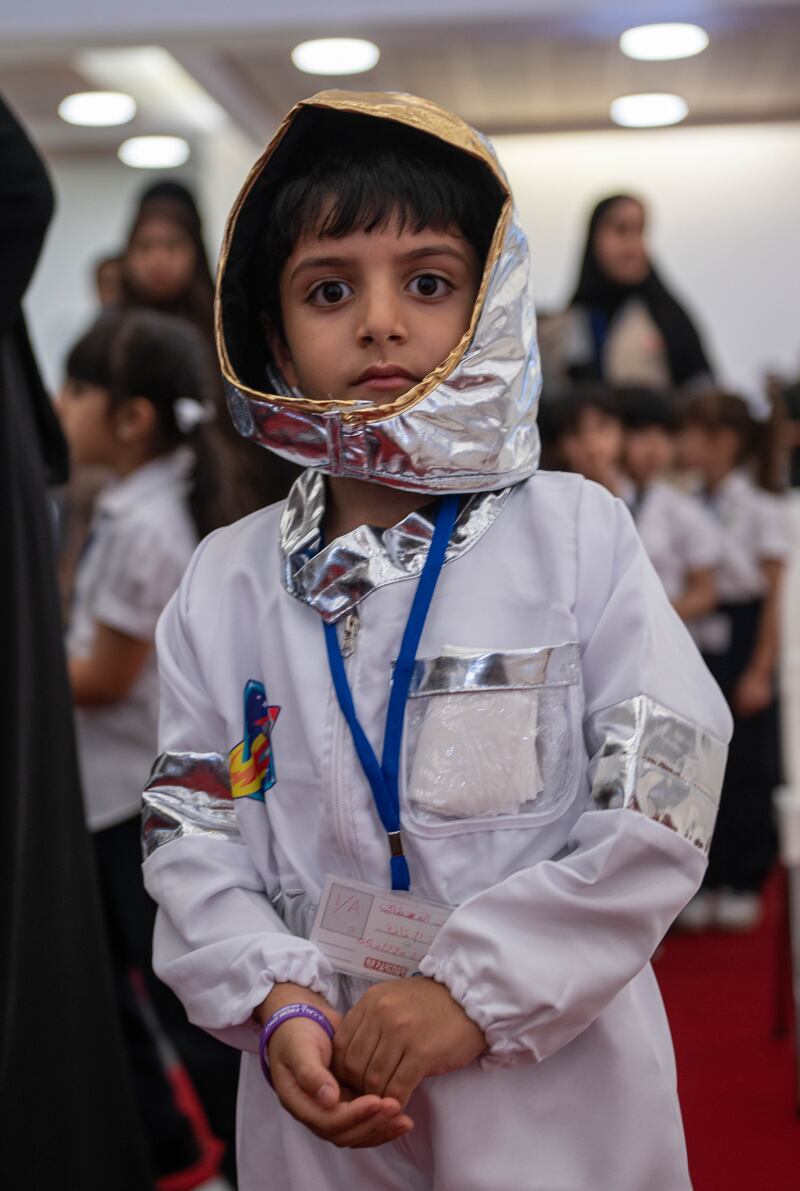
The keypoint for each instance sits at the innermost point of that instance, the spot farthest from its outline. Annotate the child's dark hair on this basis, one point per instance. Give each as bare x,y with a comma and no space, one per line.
760,441
573,405
561,416
140,353
642,409
359,173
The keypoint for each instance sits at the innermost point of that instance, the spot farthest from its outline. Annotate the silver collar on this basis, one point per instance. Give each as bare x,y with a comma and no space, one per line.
334,579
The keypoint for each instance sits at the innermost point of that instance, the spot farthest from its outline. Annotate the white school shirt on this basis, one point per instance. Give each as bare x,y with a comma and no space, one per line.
559,900
141,540
754,526
755,529
677,532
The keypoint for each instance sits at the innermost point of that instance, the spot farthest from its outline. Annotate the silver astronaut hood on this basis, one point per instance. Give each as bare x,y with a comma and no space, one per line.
470,425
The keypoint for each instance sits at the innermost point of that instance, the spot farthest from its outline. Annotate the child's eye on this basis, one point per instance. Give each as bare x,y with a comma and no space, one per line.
329,293
428,285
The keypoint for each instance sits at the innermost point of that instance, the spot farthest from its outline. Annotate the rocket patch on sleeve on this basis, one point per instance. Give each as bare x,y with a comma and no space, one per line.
251,761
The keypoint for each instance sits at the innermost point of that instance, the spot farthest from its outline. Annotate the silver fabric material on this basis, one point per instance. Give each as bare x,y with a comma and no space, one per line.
337,578
556,665
296,909
188,794
474,427
659,764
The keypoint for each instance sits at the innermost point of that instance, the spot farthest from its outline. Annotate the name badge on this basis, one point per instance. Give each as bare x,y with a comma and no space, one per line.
372,933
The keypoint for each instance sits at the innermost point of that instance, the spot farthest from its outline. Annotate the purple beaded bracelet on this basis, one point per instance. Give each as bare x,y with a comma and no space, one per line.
278,1018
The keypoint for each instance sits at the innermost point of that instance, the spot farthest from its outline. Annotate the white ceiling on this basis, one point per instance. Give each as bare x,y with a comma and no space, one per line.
538,66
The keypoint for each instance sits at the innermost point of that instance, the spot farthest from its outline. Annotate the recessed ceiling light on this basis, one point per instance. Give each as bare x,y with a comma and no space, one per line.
154,152
335,55
164,88
649,110
661,42
97,109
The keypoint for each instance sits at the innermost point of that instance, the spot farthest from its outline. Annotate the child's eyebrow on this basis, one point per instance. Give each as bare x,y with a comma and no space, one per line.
319,262
434,250
338,262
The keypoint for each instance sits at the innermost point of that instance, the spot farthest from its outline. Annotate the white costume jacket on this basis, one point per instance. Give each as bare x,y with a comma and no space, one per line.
563,753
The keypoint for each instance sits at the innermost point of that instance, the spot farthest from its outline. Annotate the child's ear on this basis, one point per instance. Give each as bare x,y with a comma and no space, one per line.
280,350
136,420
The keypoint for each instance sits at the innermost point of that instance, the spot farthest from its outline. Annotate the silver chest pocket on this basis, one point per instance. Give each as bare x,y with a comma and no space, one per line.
492,739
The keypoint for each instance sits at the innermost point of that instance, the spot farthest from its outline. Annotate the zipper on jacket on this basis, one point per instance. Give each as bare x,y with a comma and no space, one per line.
342,780
349,633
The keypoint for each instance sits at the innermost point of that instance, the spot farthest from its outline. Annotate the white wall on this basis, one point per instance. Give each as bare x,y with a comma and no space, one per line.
223,161
725,230
724,213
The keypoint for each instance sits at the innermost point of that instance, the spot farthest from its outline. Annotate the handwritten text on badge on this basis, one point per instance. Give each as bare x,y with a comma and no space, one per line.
372,933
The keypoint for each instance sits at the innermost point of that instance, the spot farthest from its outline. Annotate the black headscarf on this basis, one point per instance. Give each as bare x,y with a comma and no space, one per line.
173,202
596,291
167,189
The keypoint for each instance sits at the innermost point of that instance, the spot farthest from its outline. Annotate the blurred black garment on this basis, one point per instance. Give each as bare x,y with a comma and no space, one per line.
67,1114
213,1067
744,846
129,925
603,298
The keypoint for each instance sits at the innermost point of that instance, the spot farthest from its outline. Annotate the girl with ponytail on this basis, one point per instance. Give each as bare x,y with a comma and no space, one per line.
134,401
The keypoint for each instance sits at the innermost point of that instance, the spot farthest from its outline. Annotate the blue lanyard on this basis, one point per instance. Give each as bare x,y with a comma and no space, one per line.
383,776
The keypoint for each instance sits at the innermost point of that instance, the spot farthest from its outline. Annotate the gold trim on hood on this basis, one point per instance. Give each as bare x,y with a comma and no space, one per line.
424,116
470,425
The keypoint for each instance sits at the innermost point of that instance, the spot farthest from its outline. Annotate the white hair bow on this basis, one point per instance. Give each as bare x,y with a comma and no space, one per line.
190,413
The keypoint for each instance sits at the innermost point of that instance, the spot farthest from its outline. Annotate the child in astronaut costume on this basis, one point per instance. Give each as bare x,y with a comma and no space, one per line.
562,752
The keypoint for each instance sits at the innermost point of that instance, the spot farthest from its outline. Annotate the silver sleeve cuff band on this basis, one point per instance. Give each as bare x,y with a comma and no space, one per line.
188,794
654,762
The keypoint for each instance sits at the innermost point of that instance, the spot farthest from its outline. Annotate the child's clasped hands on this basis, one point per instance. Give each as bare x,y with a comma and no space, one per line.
352,1090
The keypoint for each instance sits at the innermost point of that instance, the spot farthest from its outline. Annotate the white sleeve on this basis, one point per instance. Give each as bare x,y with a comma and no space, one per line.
141,570
219,943
535,959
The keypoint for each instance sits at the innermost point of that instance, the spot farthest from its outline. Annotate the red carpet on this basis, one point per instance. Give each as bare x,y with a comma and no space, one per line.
736,1080
211,1148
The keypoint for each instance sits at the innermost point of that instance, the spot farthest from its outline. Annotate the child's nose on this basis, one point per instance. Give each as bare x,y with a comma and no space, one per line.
382,320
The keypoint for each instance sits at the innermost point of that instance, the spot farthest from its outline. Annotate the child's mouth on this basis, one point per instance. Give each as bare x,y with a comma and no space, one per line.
383,378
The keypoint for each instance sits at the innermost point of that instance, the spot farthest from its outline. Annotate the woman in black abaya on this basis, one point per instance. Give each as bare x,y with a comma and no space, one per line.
67,1114
622,326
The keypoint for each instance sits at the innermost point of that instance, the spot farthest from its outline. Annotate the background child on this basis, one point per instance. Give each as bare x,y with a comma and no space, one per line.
734,457
132,402
586,430
682,540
